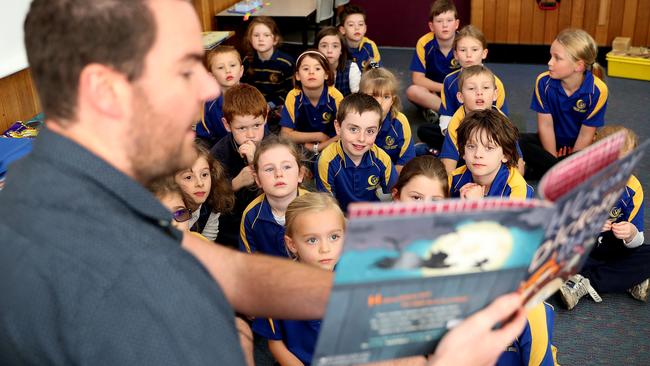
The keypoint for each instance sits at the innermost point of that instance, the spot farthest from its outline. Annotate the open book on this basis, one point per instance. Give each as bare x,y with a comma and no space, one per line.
411,271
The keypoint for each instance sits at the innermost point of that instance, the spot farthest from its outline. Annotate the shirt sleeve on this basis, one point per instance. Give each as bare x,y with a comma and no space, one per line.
449,150
444,102
596,117
418,61
246,237
535,340
539,102
355,77
323,178
407,150
268,328
288,116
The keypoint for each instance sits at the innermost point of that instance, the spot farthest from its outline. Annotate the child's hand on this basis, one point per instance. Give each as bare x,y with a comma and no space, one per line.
245,178
564,151
607,226
472,191
321,137
624,230
247,151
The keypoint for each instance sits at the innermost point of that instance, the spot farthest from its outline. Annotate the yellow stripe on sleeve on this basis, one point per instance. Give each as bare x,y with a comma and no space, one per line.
336,94
637,200
501,92
203,118
538,334
384,158
602,99
452,129
406,132
539,97
375,51
290,104
517,184
419,47
242,226
326,158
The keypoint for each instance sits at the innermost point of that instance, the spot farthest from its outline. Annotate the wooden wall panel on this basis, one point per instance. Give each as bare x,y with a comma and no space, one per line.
501,23
489,19
476,12
641,28
18,99
207,9
564,15
525,27
550,26
538,26
514,16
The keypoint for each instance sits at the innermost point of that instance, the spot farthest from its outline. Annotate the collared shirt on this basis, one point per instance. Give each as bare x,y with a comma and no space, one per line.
365,53
299,336
338,175
299,114
534,345
630,206
259,231
586,106
429,60
394,137
508,183
93,273
211,128
449,100
273,77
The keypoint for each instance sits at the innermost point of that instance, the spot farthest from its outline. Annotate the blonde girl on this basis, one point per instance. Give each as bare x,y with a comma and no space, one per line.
347,75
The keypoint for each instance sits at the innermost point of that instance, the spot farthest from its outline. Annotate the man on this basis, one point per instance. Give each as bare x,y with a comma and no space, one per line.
91,271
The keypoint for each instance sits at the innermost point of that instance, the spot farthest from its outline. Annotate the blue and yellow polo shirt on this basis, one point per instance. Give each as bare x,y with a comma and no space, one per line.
428,59
338,175
259,232
508,183
450,103
211,128
394,137
299,336
299,114
273,77
533,347
586,106
365,53
630,206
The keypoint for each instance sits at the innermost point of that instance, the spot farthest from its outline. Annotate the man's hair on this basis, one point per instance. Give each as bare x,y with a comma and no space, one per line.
349,10
64,36
442,6
472,71
243,100
497,128
357,103
470,31
221,50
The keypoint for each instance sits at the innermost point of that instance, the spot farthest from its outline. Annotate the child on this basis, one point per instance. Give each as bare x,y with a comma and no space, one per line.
315,231
225,64
278,173
487,141
570,100
267,68
307,118
620,260
244,111
354,168
206,193
171,196
347,75
433,59
394,136
352,25
422,179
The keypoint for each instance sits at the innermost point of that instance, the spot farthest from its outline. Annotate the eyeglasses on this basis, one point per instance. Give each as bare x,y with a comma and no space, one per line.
182,215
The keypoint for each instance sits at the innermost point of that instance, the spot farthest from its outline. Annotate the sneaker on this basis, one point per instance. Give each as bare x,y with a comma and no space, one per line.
431,116
575,288
640,291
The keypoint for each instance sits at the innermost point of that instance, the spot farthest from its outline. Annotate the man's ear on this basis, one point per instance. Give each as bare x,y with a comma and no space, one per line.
106,91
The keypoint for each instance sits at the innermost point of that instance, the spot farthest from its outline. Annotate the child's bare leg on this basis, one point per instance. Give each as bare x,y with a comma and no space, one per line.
423,97
246,340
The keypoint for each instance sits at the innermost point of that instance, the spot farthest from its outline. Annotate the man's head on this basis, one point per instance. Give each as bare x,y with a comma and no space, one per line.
476,88
244,113
357,124
443,20
124,78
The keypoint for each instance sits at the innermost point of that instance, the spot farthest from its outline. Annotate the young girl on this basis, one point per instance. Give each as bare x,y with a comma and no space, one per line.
570,100
206,192
171,196
278,173
394,135
487,142
266,67
308,115
424,178
347,75
315,228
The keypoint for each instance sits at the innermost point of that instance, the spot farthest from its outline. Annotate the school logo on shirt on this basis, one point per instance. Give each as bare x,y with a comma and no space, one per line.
454,63
274,78
326,117
389,143
615,213
580,106
373,182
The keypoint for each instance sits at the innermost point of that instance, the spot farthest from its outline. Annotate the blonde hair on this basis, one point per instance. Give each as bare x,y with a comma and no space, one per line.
581,47
221,50
312,201
475,70
470,31
631,139
380,81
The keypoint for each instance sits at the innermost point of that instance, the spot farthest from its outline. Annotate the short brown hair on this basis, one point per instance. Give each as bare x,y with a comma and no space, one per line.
350,10
332,31
62,37
267,21
322,60
474,70
357,103
426,165
498,129
442,6
243,100
470,31
221,50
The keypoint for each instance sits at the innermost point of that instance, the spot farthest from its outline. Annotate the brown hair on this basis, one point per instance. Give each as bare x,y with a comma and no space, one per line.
442,6
379,82
357,103
332,31
631,139
470,31
243,100
312,201
272,141
62,37
498,129
581,47
350,10
221,50
267,21
426,165
474,70
322,60
221,197
164,186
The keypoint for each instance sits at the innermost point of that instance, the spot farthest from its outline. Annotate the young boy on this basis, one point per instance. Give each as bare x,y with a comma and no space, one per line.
352,24
433,59
354,168
226,66
244,116
488,143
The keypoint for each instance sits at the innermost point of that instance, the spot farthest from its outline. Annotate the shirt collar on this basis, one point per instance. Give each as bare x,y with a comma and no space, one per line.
586,87
366,160
322,101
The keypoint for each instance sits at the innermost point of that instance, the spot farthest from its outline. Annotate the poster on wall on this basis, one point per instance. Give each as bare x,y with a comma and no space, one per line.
12,55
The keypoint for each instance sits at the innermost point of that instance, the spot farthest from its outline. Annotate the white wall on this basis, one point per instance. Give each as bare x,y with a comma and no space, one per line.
12,49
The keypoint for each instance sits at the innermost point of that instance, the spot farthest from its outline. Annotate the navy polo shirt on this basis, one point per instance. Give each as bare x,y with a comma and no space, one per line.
211,128
365,53
429,60
394,137
300,115
299,336
273,77
508,183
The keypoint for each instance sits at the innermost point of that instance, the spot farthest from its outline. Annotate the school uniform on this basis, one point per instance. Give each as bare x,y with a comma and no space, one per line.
273,77
534,345
299,336
299,114
428,59
211,129
337,174
260,231
205,222
365,53
508,183
347,80
394,137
